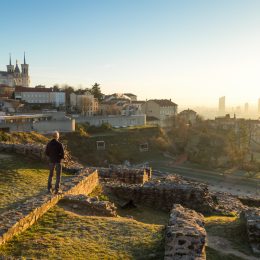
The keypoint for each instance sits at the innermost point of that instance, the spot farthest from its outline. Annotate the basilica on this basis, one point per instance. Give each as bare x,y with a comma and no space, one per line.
14,76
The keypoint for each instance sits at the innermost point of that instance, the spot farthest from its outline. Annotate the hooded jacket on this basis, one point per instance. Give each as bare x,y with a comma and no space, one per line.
54,150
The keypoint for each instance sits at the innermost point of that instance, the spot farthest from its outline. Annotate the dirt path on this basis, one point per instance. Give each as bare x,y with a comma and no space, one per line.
224,246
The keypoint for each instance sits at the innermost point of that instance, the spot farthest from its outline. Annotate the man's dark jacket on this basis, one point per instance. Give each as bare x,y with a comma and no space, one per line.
54,150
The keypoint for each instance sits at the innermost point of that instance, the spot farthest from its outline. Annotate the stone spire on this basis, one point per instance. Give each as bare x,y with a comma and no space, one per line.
24,62
10,59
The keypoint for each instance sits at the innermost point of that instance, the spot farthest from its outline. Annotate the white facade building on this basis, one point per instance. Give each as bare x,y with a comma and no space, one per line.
40,96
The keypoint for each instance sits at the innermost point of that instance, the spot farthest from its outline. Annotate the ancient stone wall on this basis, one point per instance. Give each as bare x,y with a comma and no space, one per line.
252,218
15,221
185,236
164,192
125,175
37,151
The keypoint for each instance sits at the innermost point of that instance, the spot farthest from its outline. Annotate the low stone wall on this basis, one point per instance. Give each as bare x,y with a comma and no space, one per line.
185,235
91,204
126,175
37,151
15,221
250,201
252,218
164,192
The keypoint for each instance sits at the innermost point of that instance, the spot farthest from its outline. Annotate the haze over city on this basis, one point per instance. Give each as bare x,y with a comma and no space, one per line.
189,51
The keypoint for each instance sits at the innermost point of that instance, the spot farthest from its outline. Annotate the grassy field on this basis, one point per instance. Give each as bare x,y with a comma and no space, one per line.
62,234
20,179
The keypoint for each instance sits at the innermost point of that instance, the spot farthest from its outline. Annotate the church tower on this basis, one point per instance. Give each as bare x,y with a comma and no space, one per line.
25,73
10,67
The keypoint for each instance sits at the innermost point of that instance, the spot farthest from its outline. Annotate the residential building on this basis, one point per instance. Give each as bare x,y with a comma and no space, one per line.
86,104
6,91
188,115
162,109
131,96
40,96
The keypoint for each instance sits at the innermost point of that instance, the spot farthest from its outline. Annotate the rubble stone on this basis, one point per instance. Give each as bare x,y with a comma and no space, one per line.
185,235
103,208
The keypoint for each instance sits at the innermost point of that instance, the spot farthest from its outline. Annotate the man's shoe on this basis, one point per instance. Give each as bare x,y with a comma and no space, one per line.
58,192
49,191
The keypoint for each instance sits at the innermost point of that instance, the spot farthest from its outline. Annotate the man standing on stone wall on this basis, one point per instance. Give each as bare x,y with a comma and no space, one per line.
55,152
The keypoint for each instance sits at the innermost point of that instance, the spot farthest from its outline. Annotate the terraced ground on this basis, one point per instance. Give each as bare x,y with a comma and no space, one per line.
20,179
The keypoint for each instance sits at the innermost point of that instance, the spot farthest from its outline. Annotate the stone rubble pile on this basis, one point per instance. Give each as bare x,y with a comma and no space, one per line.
250,201
164,192
252,218
101,208
185,236
16,220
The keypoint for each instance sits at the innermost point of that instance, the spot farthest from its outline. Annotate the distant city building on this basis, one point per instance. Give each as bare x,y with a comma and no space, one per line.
246,108
14,76
40,96
222,105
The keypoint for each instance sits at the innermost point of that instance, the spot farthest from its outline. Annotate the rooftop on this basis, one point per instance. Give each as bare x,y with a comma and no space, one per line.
163,102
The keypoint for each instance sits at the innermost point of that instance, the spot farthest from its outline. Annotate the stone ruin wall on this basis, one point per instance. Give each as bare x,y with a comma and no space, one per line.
17,220
125,175
252,218
37,151
185,235
165,192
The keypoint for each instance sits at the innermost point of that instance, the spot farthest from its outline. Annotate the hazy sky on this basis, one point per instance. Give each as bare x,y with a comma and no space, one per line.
192,51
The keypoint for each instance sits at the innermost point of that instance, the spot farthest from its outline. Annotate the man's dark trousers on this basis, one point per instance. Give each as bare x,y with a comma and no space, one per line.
58,168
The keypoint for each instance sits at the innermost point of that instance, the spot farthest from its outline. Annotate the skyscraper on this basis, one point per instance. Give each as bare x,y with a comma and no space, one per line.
246,108
222,105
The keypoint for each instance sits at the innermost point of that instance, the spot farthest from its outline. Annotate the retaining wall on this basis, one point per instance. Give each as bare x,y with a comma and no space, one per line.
17,220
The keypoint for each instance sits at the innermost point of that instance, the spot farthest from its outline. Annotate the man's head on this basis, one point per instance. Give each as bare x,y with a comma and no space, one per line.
56,135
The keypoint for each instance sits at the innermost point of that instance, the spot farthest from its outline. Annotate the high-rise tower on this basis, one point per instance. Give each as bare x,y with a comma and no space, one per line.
222,106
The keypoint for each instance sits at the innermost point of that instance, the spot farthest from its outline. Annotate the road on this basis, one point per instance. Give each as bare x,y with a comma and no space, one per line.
217,181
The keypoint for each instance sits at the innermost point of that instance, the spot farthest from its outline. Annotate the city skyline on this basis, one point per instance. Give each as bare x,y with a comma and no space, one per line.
189,52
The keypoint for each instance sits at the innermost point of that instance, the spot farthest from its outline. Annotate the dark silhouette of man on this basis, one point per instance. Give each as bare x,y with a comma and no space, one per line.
55,152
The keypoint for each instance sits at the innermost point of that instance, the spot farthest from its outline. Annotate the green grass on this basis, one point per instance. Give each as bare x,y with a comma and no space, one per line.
20,179
231,228
215,255
23,137
63,235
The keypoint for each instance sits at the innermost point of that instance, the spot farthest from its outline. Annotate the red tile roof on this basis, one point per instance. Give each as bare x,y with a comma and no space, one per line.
23,89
